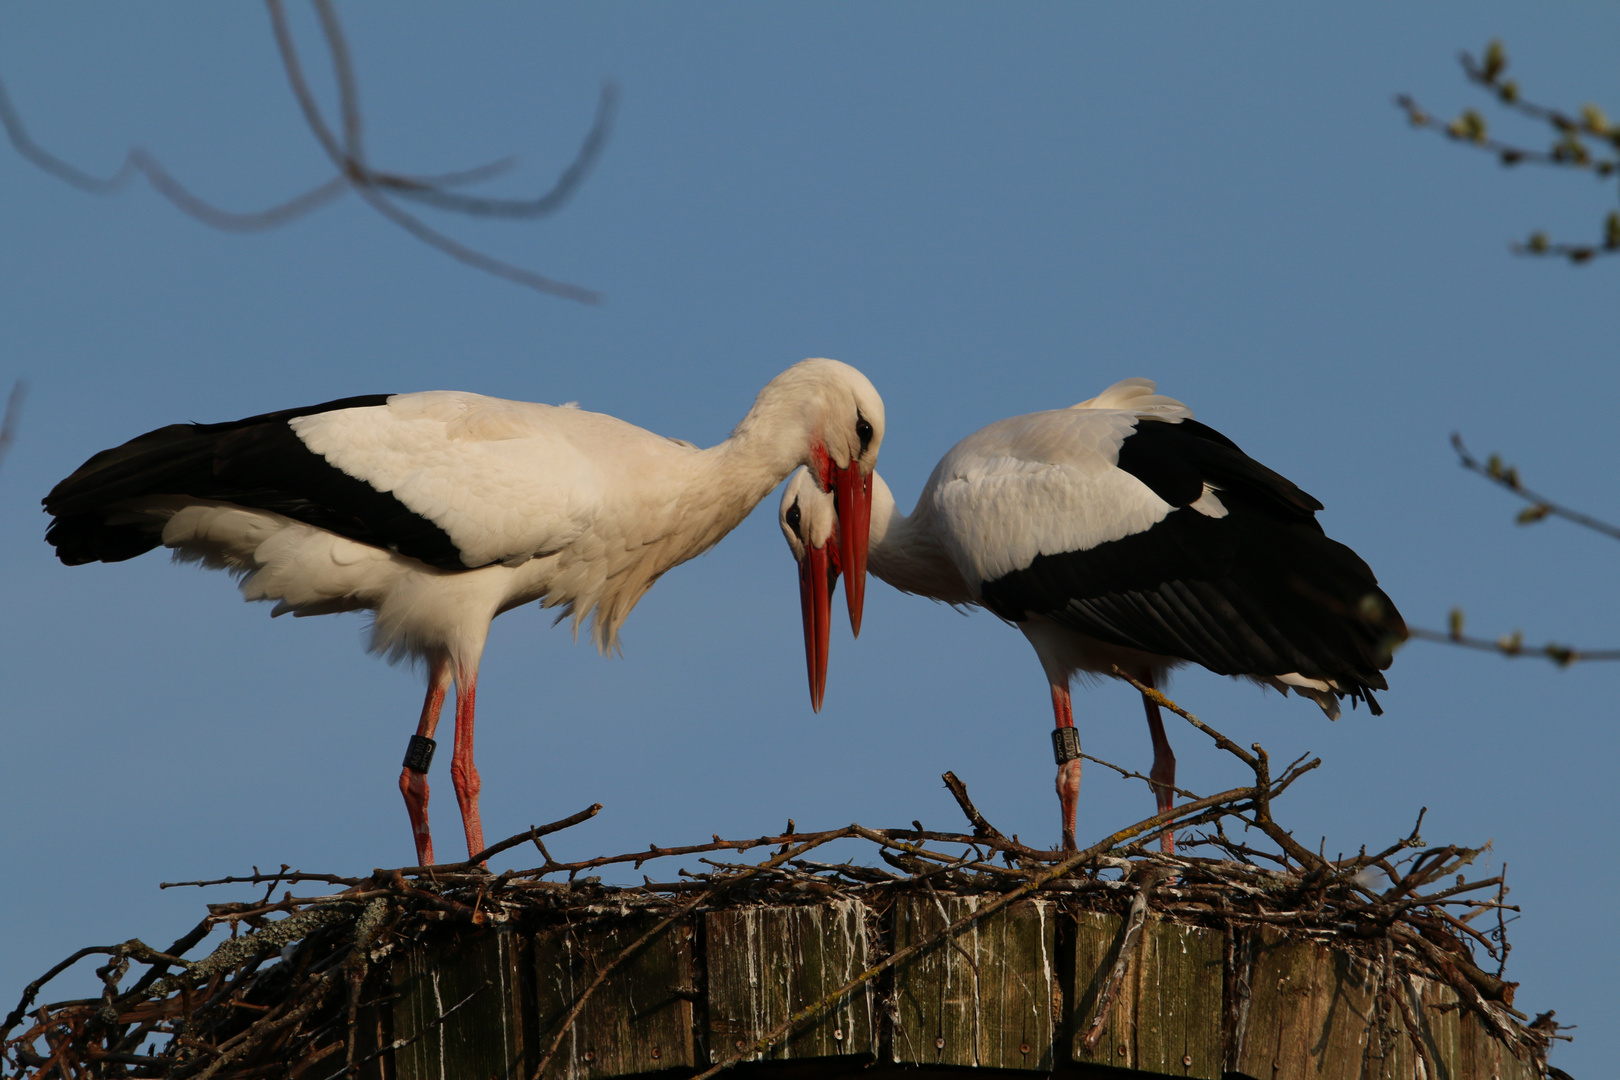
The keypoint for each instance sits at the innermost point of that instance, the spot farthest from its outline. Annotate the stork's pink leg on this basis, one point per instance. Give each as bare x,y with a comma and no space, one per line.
462,770
1066,749
1163,773
413,777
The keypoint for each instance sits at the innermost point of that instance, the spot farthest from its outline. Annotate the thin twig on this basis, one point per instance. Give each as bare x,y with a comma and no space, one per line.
636,946
400,1044
1513,647
13,414
1127,945
1507,478
532,833
352,171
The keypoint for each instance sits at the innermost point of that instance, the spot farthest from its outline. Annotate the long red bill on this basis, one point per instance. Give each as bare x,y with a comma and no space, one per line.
853,491
817,578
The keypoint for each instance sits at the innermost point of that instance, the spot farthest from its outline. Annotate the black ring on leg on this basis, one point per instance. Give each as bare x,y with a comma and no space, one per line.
1065,745
419,754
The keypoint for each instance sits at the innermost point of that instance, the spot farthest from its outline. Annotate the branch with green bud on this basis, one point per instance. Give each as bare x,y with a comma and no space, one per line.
1585,140
1539,509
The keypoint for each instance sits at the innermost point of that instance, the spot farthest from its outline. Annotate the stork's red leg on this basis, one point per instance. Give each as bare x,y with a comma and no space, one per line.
1066,748
413,780
462,770
1163,773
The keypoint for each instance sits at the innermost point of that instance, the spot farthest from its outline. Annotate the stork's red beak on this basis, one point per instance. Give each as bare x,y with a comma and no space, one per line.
853,491
818,577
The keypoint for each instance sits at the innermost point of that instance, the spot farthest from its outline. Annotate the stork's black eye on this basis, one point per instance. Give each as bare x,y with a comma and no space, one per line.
793,516
863,430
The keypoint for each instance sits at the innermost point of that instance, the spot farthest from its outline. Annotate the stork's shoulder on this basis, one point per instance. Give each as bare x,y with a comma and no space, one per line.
1037,484
1080,438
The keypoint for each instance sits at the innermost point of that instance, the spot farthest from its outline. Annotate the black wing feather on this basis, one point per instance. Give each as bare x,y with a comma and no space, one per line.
257,462
1260,591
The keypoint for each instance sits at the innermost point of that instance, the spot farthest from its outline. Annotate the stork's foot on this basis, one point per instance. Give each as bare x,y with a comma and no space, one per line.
1069,846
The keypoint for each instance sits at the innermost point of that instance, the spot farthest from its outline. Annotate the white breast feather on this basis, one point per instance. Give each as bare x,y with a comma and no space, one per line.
1041,484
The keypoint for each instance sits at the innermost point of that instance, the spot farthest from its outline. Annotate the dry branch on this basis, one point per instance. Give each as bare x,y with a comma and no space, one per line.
378,188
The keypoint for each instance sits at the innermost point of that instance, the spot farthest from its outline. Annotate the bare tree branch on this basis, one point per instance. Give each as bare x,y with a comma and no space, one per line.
353,172
549,202
8,426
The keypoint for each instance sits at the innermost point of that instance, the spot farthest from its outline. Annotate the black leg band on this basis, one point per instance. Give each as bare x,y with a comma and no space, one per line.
1065,745
419,755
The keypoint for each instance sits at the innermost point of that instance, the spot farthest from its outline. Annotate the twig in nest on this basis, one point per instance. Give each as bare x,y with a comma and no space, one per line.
1127,945
1258,761
400,1044
958,791
531,834
1039,881
567,1022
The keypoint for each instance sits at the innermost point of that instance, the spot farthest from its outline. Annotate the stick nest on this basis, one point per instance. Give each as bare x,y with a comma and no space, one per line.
281,994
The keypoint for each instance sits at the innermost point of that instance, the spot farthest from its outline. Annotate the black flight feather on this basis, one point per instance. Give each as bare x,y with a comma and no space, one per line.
257,462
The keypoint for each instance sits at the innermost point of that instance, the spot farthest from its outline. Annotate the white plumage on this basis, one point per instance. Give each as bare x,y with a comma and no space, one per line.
439,511
1119,532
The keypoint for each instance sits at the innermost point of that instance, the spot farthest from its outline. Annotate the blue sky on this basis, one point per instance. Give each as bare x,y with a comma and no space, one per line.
989,210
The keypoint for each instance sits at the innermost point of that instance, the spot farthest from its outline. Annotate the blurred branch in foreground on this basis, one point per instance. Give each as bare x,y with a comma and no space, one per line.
1512,644
8,426
377,188
1586,141
1540,508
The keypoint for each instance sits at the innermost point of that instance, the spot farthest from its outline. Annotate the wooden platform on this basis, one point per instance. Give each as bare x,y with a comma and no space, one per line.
1017,992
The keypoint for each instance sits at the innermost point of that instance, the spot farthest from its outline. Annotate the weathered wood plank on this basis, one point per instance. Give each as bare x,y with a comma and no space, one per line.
1461,1045
478,976
1312,1013
486,1002
766,963
1180,984
985,1000
1167,1014
639,1020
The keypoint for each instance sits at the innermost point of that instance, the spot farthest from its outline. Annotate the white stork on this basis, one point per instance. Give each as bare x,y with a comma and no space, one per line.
438,511
1119,532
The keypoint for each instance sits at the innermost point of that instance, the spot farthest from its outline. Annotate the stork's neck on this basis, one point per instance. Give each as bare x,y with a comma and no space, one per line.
702,496
729,479
905,551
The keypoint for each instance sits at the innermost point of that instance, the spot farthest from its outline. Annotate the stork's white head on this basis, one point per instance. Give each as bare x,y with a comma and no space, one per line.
845,429
809,519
